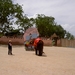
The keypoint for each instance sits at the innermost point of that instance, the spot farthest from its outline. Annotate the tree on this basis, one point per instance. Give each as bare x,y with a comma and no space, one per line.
13,33
24,23
59,31
44,25
9,11
69,36
47,26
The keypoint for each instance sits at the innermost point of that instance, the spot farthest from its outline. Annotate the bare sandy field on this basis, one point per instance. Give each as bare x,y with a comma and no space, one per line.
55,61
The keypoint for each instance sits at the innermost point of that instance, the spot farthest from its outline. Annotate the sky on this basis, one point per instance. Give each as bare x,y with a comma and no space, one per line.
62,10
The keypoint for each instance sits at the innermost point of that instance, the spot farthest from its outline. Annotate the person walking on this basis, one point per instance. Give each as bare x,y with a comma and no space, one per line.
9,48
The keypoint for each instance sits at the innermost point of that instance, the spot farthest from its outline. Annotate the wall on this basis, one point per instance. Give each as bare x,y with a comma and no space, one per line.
67,43
47,42
20,41
15,41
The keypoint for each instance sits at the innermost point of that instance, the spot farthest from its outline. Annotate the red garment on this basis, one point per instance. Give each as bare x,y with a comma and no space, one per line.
36,41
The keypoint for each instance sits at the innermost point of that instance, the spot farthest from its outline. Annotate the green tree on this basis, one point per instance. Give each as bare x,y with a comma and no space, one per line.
47,26
25,22
9,11
69,36
59,31
44,25
14,33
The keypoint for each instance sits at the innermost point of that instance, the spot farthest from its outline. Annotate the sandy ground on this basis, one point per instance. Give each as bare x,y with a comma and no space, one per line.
55,61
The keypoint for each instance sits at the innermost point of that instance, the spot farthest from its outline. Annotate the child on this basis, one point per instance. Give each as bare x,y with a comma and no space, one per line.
9,48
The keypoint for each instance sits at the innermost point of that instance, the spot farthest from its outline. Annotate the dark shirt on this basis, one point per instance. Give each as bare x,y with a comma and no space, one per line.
9,46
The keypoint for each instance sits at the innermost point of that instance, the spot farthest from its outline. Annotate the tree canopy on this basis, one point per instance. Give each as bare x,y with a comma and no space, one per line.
11,14
8,12
47,26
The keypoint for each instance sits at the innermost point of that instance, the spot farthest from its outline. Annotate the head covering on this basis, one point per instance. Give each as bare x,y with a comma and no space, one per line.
9,40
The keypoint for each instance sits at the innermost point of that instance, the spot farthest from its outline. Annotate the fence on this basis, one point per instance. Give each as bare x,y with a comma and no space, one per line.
67,43
15,41
20,41
47,42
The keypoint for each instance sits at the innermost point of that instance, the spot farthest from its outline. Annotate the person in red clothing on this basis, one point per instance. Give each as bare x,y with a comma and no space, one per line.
36,41
38,46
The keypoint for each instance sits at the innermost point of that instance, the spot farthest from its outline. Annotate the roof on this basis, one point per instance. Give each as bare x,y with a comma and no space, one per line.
54,35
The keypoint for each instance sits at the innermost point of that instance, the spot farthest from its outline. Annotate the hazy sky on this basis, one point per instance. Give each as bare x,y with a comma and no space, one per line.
62,10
